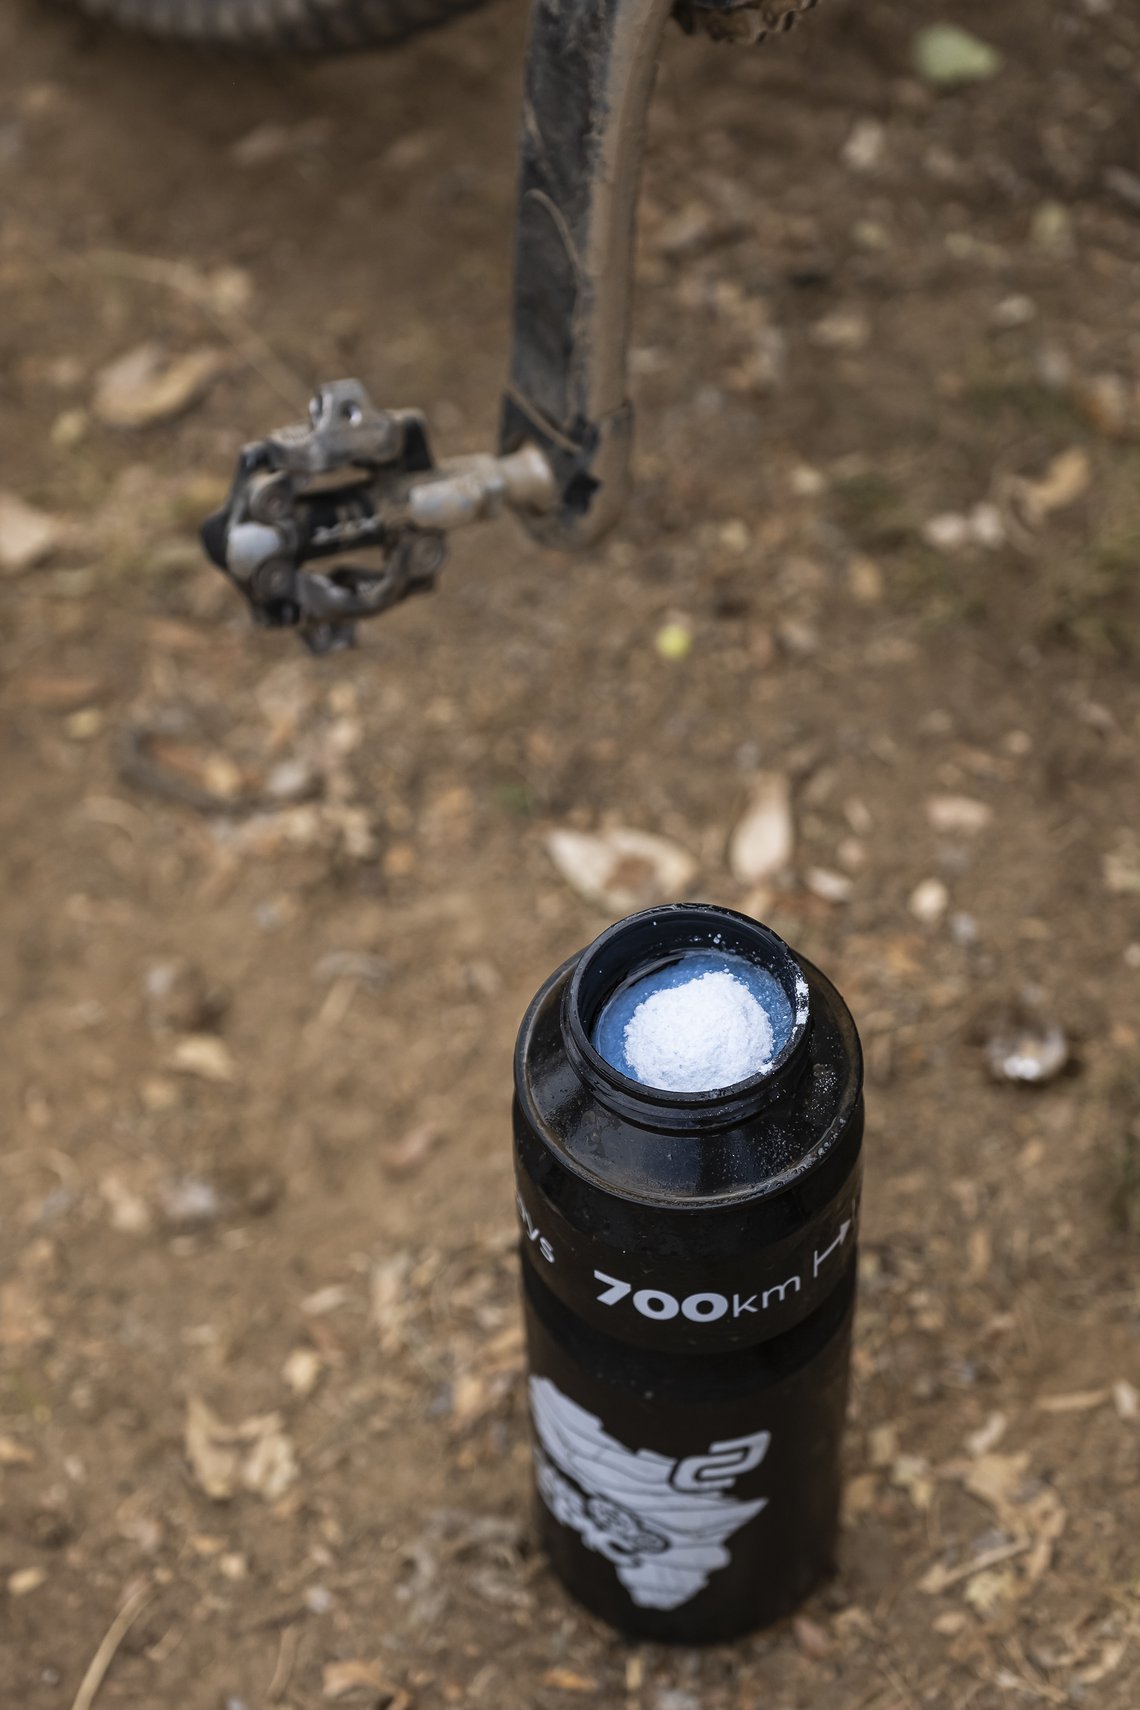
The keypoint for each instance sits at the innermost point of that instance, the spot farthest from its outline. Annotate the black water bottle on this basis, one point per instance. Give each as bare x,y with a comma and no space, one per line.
689,1285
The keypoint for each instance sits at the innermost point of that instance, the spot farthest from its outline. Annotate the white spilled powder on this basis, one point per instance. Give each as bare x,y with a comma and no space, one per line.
708,1033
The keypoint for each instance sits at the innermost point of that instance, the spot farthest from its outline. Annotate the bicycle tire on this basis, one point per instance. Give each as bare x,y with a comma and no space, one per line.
306,26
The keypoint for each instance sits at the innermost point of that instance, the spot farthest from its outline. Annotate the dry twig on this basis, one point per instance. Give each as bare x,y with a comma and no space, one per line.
112,1639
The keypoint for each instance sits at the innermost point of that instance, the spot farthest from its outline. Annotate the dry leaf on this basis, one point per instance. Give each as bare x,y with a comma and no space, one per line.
763,840
882,1445
987,1436
254,1455
940,1578
408,1154
1045,1517
810,1637
859,1495
1079,1401
203,1055
1111,1658
620,869
148,385
988,1590
27,536
270,1466
950,1623
358,1674
1126,1400
388,1298
566,1680
48,691
1064,482
211,1449
14,1454
995,1480
475,1394
912,1474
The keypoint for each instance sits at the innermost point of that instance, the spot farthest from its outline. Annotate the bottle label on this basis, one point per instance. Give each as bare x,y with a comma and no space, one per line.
664,1524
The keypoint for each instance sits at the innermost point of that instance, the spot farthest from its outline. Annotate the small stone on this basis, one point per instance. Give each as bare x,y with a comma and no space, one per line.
871,235
865,580
205,1057
291,780
1029,1050
179,999
810,1637
302,1371
883,1445
987,526
798,638
1121,868
84,725
1126,1400
866,143
399,860
1124,185
963,929
735,535
949,532
1052,229
26,1580
1012,312
318,1599
1109,403
807,482
929,901
828,886
673,641
852,854
845,330
190,1202
68,428
958,815
130,1214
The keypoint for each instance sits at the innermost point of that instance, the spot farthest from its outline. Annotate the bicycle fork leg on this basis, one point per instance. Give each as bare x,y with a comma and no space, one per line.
589,76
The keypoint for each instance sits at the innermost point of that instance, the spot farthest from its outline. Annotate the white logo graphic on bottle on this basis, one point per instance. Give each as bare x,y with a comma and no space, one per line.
663,1523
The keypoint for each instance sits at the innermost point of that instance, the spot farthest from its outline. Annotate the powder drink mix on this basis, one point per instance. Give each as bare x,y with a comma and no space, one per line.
688,1132
697,1024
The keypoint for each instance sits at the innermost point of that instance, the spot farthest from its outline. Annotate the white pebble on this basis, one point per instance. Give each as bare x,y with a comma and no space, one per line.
929,901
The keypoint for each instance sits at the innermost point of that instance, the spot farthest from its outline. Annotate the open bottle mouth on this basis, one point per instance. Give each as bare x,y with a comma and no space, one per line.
667,1003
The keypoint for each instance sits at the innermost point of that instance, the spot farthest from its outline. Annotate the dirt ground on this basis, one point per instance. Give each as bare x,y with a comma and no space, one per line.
260,1371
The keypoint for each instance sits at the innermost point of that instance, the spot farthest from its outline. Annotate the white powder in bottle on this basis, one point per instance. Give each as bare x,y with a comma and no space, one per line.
708,1033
